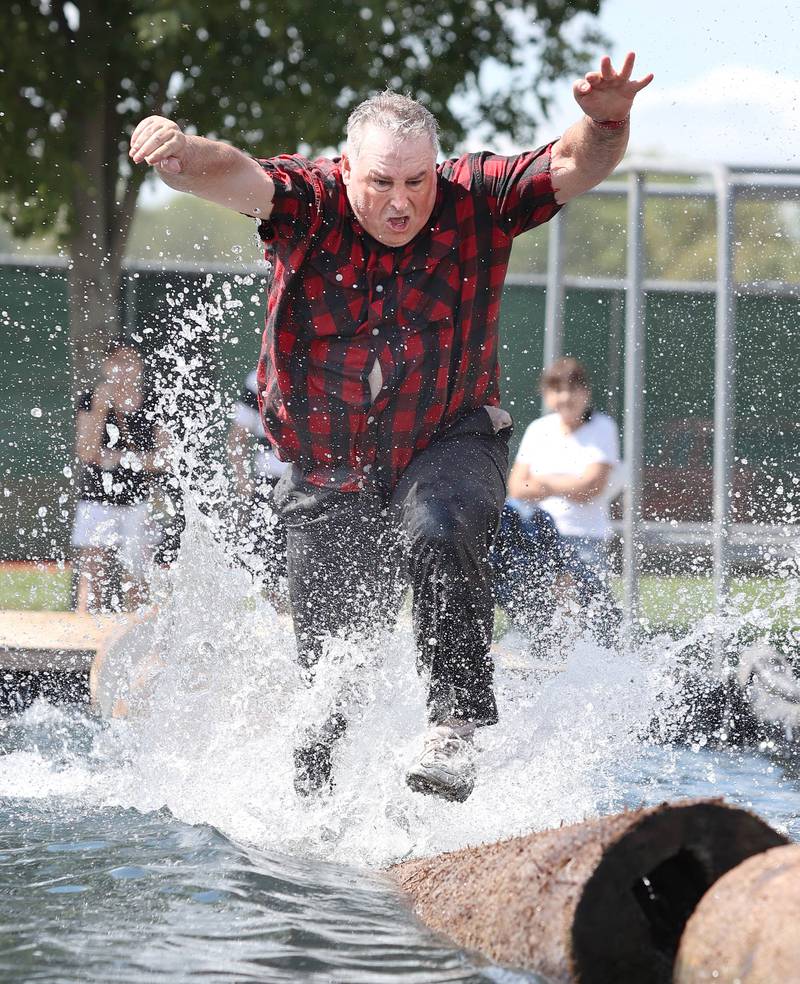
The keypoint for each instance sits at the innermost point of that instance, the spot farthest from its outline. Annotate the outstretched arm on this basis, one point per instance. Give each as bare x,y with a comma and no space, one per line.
591,148
209,169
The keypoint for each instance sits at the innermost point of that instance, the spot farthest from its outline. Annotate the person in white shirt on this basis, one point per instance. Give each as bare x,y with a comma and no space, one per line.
566,461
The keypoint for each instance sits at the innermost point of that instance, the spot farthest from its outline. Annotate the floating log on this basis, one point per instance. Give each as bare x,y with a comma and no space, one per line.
744,929
64,642
600,901
103,648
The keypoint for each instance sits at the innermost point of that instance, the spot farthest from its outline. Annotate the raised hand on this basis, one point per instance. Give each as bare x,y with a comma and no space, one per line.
159,142
608,94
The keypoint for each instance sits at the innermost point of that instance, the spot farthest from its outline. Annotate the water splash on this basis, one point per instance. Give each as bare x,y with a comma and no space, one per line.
218,705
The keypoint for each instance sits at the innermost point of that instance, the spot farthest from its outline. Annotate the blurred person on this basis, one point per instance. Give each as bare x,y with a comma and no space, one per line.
379,378
259,534
567,462
121,446
530,558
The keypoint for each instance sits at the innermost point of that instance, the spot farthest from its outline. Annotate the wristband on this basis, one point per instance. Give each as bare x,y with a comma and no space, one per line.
611,124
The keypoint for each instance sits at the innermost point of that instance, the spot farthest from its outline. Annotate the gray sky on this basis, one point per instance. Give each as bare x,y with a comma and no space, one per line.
727,85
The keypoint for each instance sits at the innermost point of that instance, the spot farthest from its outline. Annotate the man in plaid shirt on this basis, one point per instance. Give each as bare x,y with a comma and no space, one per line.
378,378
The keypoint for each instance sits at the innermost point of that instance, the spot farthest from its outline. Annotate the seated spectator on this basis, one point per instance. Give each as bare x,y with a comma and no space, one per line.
258,535
529,557
566,461
121,446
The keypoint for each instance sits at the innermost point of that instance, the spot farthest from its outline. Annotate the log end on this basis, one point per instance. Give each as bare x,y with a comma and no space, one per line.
633,910
745,927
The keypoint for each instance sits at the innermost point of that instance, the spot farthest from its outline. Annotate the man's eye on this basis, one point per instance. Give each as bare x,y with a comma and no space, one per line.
381,184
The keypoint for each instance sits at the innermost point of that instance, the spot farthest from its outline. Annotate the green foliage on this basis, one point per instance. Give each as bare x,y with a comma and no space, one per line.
77,77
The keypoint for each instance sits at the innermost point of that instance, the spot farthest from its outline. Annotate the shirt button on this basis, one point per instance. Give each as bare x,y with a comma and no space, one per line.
338,276
370,420
375,331
379,288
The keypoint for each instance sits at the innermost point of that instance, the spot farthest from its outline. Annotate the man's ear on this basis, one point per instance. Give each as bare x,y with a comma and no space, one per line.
346,169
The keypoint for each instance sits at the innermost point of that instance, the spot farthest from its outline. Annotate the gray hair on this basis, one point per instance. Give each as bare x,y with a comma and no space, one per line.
400,115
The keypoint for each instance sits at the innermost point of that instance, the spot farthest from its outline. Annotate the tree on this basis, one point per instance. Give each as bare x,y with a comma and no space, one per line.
79,74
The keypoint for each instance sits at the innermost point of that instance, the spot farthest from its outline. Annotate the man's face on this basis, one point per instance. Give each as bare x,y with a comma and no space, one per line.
391,185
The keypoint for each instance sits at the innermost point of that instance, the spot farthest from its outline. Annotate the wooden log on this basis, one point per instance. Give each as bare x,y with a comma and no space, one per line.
56,641
601,901
745,927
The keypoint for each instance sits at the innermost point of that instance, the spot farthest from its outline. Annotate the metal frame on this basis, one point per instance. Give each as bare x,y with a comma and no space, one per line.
633,428
724,392
554,292
725,185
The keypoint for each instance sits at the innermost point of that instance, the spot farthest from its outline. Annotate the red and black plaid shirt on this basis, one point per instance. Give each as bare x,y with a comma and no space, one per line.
428,312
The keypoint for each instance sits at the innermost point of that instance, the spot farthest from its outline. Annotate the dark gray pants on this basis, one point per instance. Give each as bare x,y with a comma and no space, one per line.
351,554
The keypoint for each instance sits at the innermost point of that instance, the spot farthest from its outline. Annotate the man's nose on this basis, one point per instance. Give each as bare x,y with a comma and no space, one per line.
399,201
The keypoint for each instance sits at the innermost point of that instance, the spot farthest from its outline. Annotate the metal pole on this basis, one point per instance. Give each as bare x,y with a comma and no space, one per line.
724,388
554,294
633,441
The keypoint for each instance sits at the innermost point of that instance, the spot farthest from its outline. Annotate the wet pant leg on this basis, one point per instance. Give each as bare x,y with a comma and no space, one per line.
448,505
341,563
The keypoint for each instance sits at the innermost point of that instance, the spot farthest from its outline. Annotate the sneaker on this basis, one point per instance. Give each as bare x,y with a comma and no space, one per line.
313,762
446,766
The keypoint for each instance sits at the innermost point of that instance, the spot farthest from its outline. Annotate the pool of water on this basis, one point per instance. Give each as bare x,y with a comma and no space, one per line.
170,846
93,890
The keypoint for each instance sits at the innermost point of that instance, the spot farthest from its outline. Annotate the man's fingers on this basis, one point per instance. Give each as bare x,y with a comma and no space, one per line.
144,127
141,127
150,134
606,68
144,139
627,66
643,82
157,146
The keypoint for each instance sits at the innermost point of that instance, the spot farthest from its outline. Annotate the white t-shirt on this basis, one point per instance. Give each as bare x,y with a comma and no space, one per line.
547,449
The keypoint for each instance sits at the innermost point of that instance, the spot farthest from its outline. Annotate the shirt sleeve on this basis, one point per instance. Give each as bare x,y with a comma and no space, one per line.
296,202
518,189
604,446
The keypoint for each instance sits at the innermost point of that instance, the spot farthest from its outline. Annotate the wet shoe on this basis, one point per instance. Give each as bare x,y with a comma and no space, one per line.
313,763
446,767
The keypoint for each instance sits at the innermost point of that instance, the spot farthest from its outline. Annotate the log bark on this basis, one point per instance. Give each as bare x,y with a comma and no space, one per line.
600,901
745,927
